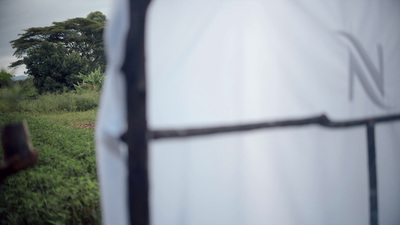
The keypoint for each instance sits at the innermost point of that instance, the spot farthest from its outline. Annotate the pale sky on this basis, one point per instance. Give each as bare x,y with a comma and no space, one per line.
17,15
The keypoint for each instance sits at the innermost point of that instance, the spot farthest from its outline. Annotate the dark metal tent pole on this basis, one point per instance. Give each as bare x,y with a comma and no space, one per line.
373,186
134,70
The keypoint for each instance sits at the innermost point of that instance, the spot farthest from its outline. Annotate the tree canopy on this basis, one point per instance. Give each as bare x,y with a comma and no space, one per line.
54,55
97,16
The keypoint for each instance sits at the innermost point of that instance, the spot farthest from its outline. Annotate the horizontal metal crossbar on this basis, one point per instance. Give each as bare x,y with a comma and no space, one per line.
322,120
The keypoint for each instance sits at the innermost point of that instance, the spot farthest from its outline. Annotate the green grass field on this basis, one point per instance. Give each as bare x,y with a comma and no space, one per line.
62,188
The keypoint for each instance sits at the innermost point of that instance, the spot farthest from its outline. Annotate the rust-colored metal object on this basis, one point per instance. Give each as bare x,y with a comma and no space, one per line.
18,150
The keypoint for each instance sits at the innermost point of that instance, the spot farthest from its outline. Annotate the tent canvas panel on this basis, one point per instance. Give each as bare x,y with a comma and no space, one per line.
225,62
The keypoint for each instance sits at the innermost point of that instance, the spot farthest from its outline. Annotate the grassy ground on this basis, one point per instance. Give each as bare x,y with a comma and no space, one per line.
62,188
75,120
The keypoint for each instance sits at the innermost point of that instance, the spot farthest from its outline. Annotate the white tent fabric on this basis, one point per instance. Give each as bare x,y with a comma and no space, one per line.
213,63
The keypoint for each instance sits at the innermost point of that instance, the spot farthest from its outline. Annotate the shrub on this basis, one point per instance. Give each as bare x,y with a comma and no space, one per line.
12,95
92,81
5,78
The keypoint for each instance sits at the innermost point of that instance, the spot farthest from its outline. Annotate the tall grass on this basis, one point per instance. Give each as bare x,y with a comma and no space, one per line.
47,103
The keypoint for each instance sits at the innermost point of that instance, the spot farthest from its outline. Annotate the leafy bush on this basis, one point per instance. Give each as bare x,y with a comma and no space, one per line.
92,81
5,78
62,188
12,95
28,90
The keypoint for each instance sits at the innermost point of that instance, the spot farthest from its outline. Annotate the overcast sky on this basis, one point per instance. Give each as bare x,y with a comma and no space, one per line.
17,15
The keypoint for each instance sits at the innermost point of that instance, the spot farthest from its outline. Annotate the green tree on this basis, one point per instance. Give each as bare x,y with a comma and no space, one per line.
54,67
75,45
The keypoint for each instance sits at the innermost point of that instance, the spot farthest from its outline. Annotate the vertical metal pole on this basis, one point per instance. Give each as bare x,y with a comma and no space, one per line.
136,135
373,187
